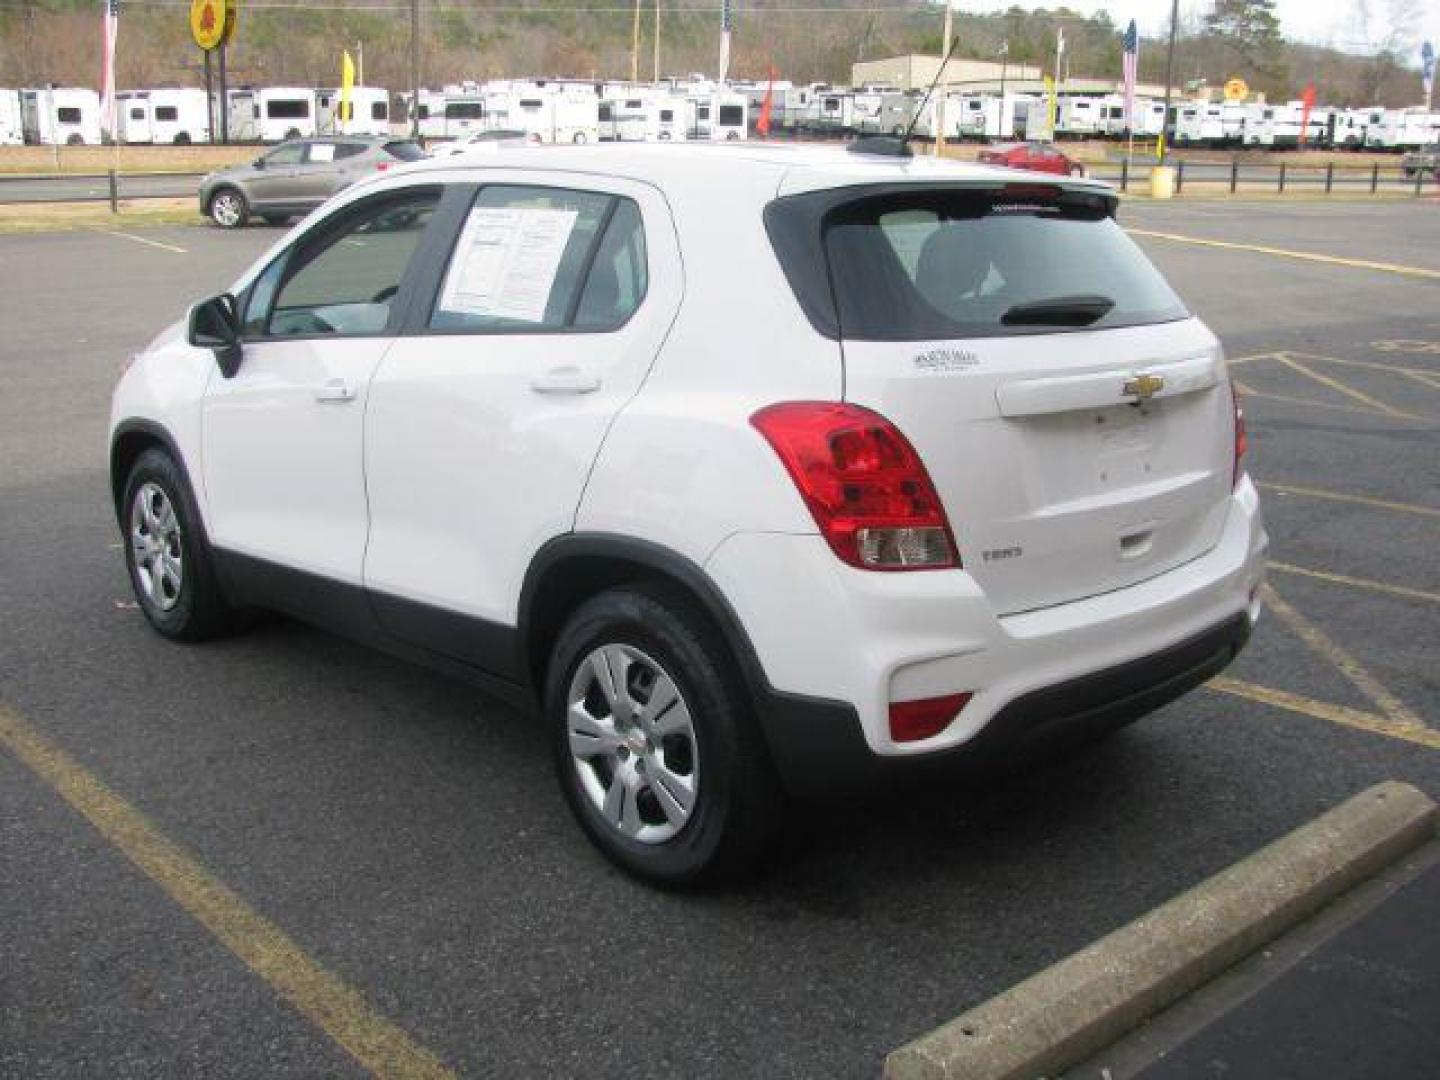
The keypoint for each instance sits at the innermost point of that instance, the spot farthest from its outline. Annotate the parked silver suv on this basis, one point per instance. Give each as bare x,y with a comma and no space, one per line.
297,176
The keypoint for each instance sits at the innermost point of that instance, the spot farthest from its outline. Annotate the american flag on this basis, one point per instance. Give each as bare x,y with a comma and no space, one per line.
1132,62
107,69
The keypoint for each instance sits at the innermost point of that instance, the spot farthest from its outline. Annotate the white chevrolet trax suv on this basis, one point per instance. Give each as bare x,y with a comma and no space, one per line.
764,472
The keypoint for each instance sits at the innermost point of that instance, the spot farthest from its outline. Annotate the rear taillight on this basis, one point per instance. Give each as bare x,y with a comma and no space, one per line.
911,721
1242,441
863,482
381,166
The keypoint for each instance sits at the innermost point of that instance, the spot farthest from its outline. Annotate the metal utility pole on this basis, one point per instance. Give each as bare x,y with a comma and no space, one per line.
939,144
635,46
1165,126
415,68
359,63
657,42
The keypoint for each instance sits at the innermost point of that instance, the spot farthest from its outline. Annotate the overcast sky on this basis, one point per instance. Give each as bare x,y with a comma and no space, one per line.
1330,22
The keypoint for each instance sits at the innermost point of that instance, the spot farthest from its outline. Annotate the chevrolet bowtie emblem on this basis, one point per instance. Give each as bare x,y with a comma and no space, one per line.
1143,386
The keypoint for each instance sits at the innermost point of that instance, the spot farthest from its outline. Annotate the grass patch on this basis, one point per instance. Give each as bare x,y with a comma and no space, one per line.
63,217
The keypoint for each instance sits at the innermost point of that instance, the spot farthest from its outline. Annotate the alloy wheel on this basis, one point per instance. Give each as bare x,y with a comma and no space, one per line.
225,209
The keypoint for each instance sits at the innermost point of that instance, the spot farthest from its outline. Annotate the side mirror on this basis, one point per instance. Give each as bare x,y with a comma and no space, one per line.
214,324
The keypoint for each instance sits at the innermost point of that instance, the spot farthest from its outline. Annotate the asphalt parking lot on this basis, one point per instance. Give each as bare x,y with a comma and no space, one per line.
406,840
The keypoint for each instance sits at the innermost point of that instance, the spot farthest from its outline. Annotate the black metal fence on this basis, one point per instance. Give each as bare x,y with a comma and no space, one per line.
1243,177
110,186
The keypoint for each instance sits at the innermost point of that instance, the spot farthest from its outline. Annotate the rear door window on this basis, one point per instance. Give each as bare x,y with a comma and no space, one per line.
537,259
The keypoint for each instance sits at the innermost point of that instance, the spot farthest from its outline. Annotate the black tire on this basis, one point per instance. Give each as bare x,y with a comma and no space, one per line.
75,139
199,610
241,215
738,808
182,138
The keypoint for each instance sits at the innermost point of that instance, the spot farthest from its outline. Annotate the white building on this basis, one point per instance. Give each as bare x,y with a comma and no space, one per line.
272,114
12,128
165,116
369,112
68,115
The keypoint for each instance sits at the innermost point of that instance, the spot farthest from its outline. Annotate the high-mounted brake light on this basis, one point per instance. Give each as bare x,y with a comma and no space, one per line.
864,484
1242,440
911,721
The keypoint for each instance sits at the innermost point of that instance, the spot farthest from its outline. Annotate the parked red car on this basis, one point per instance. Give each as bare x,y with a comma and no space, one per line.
1039,156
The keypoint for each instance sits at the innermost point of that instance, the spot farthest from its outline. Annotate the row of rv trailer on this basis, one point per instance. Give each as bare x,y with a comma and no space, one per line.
574,111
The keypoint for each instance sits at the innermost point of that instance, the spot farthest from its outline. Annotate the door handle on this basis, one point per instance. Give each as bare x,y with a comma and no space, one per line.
564,380
336,390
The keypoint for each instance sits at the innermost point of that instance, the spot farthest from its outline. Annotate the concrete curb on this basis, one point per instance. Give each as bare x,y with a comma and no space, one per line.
1079,1006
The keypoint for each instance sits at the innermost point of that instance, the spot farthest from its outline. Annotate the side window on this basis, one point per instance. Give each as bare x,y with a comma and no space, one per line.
320,153
619,276
342,281
349,149
530,258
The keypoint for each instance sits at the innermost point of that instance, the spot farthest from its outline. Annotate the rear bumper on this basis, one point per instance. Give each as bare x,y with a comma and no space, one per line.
838,645
819,750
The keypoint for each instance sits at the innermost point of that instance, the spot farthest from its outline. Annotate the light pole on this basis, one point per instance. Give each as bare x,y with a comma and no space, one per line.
939,144
415,68
1165,128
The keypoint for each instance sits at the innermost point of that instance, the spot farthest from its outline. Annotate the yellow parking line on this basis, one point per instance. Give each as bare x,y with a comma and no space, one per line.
1348,391
1393,709
1308,256
333,1006
144,240
1323,710
1428,377
1248,391
1340,496
1359,583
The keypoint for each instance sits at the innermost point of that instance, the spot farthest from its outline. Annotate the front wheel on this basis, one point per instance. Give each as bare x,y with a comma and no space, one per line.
166,553
657,753
228,209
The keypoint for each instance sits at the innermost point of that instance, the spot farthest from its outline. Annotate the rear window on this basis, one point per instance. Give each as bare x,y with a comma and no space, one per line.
732,115
932,264
405,150
67,115
464,110
167,112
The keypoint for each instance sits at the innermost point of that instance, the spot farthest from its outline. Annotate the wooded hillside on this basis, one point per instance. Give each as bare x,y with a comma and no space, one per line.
286,42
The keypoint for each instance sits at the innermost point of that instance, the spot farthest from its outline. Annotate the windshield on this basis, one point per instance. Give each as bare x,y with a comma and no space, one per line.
953,264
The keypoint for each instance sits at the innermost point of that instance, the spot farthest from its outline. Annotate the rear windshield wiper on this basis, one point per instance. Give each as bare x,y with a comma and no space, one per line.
1059,311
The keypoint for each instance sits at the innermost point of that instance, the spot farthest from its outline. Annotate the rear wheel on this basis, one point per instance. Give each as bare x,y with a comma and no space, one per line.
182,138
657,753
169,561
1077,170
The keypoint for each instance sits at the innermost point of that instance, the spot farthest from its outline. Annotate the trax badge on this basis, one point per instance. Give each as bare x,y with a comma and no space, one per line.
1143,386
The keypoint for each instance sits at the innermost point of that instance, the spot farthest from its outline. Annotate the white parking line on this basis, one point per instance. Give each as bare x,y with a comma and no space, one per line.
145,240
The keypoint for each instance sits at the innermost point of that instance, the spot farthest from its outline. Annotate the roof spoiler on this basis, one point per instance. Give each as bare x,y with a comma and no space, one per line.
881,146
